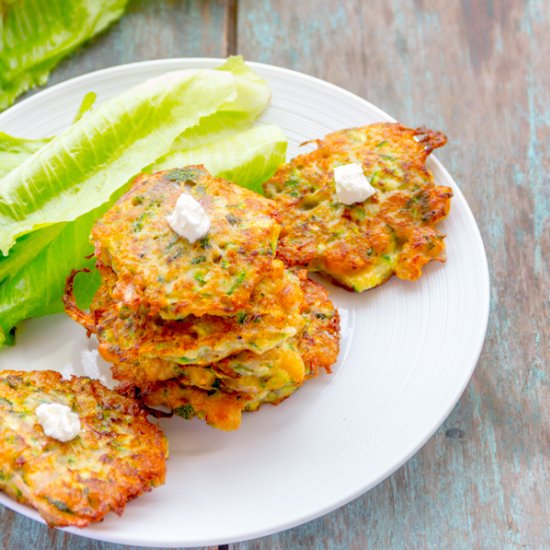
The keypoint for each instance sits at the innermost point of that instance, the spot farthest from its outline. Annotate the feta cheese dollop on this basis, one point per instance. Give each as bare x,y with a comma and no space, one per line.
189,218
58,421
351,184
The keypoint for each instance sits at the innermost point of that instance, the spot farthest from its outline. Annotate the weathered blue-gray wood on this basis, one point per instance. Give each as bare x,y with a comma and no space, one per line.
478,70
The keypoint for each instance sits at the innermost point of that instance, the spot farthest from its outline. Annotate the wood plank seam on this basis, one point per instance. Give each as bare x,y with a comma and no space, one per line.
231,23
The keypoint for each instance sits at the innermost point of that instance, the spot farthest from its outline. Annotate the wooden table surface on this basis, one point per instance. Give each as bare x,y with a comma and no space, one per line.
480,71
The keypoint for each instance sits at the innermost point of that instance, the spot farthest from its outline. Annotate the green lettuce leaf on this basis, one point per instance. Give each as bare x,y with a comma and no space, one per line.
14,150
36,35
248,158
253,97
81,168
86,105
37,287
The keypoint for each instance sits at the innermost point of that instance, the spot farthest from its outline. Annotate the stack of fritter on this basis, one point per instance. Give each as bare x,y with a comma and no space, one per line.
210,328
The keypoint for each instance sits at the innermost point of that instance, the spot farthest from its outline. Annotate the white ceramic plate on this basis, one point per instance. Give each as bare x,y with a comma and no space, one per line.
408,351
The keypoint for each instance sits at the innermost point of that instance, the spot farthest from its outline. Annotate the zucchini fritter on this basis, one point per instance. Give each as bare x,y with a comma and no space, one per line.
158,268
319,341
219,409
117,456
228,371
360,246
246,380
272,316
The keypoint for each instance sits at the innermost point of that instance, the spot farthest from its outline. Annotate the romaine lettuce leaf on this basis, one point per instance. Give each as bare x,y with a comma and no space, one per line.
253,97
14,150
247,158
37,287
81,168
86,105
35,36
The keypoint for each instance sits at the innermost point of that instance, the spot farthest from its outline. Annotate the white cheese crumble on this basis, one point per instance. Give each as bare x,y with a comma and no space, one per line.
58,421
189,218
351,184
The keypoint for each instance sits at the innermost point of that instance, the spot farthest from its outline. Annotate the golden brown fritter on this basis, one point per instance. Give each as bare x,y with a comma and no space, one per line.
124,335
317,345
228,371
256,379
319,341
219,409
360,246
117,456
245,381
219,399
158,268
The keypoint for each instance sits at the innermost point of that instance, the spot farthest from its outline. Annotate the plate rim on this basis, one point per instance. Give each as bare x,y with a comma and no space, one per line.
483,312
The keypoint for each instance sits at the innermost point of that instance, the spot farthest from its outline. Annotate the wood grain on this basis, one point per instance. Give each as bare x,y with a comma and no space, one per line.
478,70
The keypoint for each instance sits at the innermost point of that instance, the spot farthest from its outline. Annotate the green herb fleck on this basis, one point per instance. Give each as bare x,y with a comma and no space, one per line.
205,242
381,143
241,317
215,387
238,282
187,411
198,260
360,213
181,174
199,277
61,506
138,224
